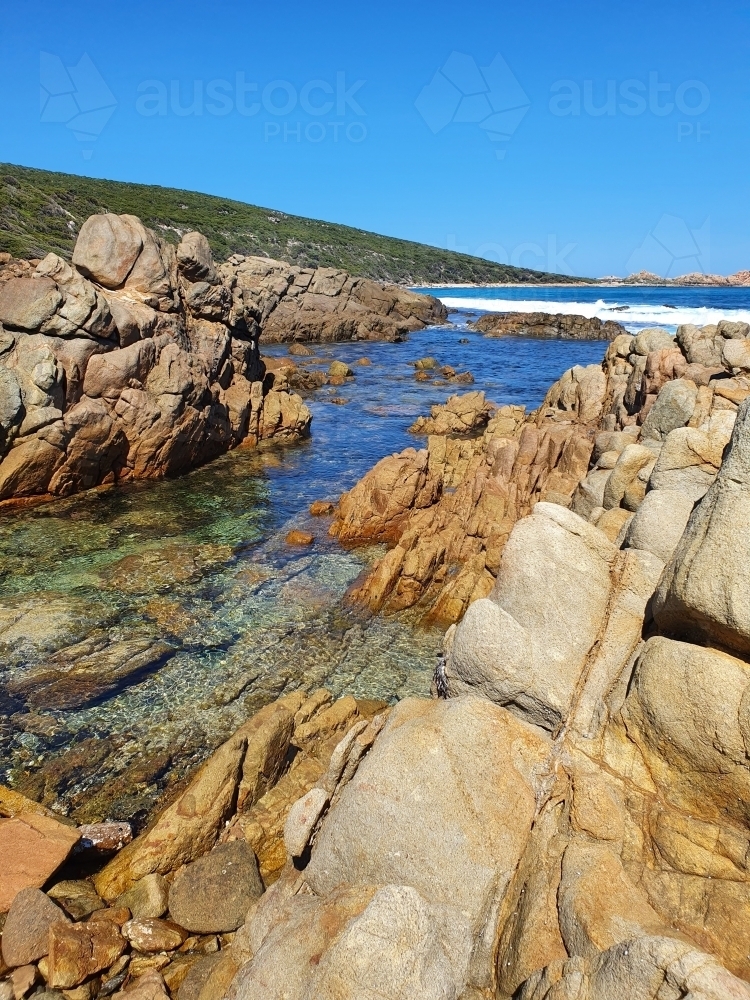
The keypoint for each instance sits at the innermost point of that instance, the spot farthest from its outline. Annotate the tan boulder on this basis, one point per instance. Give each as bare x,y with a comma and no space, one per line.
27,303
704,593
526,645
107,248
406,816
32,848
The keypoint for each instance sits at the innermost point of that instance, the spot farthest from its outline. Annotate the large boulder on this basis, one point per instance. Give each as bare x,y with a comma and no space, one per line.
704,594
526,645
407,817
107,248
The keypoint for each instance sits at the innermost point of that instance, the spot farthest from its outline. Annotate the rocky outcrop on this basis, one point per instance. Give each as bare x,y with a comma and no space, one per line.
323,304
649,423
549,326
137,361
164,910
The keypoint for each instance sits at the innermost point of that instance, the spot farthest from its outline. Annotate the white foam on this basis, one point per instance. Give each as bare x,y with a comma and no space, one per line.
635,316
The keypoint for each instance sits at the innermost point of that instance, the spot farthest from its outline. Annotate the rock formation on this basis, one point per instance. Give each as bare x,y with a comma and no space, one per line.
644,431
568,819
323,304
137,360
549,326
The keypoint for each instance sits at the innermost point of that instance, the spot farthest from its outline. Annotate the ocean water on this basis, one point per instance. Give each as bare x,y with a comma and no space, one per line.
200,561
634,307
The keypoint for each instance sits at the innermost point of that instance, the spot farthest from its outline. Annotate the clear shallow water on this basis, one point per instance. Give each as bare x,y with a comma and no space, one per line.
635,307
200,561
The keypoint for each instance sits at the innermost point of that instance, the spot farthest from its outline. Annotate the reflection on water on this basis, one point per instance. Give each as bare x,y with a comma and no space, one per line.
140,625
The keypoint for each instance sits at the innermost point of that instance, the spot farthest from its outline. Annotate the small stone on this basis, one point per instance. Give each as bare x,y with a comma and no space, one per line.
116,915
146,898
426,364
338,369
23,980
319,508
463,340
176,972
298,537
422,376
78,897
142,964
148,987
104,838
337,380
86,991
363,361
300,351
77,951
26,933
32,848
339,401
464,378
213,894
153,935
302,820
197,977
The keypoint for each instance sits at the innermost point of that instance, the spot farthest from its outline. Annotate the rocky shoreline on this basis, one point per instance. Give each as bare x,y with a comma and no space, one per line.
140,360
566,817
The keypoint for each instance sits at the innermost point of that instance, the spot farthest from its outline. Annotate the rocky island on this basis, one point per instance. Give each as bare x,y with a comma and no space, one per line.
566,818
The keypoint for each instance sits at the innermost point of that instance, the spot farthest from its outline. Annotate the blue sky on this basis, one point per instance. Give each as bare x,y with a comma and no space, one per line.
605,137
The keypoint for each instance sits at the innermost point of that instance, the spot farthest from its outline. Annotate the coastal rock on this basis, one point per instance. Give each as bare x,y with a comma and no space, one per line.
134,362
213,894
374,835
555,565
147,898
25,935
32,848
293,304
380,502
638,970
151,935
702,594
462,414
77,951
76,896
557,326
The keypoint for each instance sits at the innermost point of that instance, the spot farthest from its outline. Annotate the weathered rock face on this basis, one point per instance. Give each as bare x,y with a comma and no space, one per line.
550,326
323,304
654,417
135,362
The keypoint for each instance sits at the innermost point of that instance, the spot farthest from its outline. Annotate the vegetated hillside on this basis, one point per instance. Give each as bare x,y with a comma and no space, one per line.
42,211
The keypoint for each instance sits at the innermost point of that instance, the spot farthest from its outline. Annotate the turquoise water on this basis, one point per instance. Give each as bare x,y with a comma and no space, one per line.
200,563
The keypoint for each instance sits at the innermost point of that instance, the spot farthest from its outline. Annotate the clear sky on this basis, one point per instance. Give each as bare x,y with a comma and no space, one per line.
590,137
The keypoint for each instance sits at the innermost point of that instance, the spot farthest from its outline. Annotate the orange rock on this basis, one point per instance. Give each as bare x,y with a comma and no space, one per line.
298,537
319,508
77,951
32,847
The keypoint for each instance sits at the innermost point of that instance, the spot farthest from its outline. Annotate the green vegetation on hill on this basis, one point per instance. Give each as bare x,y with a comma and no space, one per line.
42,211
